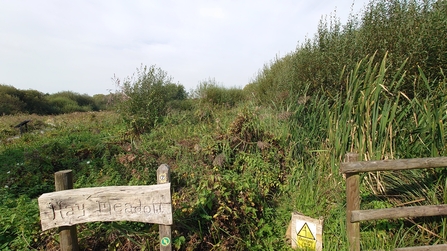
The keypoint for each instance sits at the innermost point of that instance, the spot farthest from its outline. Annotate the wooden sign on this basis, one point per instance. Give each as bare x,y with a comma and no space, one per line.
149,204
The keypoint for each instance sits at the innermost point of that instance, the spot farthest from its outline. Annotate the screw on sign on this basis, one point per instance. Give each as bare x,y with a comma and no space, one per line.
165,241
162,178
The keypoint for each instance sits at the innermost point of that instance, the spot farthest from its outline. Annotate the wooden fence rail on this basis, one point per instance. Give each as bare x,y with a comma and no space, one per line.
352,168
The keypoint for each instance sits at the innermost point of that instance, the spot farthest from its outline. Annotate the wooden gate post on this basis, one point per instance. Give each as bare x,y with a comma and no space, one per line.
164,176
63,180
352,203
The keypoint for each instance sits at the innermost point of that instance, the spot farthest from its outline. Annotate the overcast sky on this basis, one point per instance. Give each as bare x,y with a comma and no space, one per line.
55,45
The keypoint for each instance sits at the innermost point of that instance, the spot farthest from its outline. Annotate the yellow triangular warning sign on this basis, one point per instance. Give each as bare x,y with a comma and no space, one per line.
306,239
306,233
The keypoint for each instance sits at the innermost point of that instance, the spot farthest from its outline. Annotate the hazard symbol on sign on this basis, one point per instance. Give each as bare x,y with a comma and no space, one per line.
306,233
305,238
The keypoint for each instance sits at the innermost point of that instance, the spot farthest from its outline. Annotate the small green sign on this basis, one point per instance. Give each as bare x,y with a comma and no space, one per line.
165,241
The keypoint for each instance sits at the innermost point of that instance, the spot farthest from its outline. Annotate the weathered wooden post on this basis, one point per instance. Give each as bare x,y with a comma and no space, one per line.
352,203
63,180
164,176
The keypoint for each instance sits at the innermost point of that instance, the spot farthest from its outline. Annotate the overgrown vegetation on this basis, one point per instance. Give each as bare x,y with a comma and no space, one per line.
408,31
243,160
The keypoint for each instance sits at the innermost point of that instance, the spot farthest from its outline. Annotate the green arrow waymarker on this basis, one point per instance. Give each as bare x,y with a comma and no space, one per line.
165,241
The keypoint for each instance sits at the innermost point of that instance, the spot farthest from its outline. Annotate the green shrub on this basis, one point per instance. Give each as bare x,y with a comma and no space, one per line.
68,102
36,102
10,104
210,92
143,97
61,104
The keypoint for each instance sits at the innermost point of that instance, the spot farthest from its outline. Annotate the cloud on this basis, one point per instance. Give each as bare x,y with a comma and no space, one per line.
79,45
217,13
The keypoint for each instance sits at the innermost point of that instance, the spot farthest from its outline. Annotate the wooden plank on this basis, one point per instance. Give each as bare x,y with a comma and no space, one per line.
352,204
442,247
392,165
400,212
150,204
68,236
164,176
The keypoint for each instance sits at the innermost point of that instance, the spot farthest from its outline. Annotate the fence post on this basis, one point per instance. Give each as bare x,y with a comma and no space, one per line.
63,180
352,203
164,176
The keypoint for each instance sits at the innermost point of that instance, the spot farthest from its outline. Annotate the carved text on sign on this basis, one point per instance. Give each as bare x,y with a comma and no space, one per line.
150,204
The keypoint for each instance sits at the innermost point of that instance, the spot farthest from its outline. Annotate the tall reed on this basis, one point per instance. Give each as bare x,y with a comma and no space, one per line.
368,114
376,119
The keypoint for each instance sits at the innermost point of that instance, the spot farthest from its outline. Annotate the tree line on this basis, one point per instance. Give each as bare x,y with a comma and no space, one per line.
14,101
